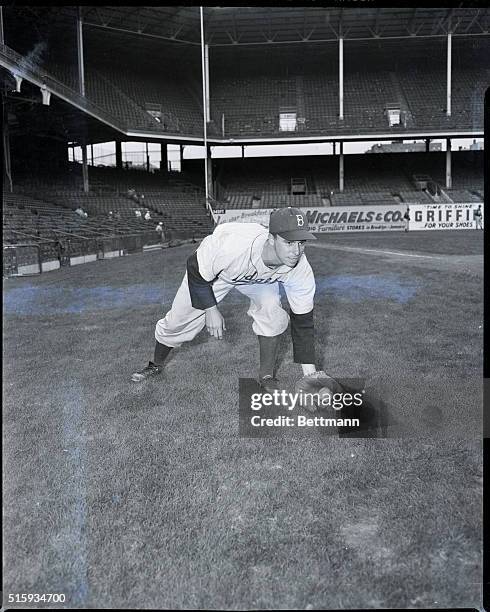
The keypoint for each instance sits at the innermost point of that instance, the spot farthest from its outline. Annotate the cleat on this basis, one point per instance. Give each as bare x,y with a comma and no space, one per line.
152,369
269,383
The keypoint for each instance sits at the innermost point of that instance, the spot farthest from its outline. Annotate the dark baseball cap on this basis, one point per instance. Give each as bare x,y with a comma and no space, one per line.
290,224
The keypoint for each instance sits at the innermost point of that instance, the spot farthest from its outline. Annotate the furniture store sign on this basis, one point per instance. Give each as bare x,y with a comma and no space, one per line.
330,219
367,218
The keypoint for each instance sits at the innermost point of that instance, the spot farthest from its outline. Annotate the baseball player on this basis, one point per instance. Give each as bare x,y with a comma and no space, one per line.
406,218
254,260
477,217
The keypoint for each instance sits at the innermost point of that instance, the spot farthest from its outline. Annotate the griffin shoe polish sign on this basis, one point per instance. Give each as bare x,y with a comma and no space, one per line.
443,216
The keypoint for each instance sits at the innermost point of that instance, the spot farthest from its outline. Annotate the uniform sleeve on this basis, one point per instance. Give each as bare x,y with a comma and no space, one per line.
201,273
300,287
201,290
300,291
208,257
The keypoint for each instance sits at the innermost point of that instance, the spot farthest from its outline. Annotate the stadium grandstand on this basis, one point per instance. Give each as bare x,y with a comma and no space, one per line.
409,82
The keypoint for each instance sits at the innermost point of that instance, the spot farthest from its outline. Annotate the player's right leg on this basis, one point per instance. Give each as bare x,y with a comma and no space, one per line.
181,324
154,367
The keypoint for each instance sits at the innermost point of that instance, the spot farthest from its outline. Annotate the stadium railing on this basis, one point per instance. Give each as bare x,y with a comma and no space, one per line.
21,259
31,258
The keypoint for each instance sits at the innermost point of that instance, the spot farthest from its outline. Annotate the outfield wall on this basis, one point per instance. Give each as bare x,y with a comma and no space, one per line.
368,218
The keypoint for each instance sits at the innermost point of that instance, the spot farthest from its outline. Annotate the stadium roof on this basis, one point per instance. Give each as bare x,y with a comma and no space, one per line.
175,32
229,26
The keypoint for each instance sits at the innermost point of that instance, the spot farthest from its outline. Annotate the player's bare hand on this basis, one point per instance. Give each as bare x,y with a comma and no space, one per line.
215,322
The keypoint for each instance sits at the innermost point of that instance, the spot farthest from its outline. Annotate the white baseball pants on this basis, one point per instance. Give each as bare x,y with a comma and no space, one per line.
182,322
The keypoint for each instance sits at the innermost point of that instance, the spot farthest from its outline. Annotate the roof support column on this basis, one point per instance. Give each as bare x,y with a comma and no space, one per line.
119,163
449,179
341,78
210,171
85,168
449,58
6,147
206,64
2,40
341,167
81,88
163,157
81,71
204,98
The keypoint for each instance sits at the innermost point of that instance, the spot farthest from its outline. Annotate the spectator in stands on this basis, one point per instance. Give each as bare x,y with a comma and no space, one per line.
132,194
477,217
118,215
161,231
147,215
141,198
111,215
60,251
406,218
137,213
81,213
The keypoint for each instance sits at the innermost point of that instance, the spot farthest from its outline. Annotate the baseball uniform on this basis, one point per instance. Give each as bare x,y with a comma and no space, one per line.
231,258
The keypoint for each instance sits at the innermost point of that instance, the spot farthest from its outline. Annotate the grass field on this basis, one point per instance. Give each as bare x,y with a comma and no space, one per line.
122,495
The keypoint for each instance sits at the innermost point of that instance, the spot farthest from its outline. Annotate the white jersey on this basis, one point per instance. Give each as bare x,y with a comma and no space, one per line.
233,253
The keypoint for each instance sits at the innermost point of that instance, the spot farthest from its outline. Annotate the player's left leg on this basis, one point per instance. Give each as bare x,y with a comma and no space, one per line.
270,320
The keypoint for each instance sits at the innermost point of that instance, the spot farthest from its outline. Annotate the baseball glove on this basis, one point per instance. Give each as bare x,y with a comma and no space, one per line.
312,387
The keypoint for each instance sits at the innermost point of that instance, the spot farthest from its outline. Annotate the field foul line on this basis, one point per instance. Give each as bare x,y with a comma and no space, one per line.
379,251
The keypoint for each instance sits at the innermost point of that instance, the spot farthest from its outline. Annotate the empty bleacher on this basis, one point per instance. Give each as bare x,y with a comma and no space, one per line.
181,112
410,74
369,180
178,203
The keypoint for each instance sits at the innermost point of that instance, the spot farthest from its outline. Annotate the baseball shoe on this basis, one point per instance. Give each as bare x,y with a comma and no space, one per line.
268,383
148,372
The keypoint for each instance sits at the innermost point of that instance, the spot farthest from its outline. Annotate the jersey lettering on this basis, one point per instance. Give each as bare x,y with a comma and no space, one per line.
301,221
246,279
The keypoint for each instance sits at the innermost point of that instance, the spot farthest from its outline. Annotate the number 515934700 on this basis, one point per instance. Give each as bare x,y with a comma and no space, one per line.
36,597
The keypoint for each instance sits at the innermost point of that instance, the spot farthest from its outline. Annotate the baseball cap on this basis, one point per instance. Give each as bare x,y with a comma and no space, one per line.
290,223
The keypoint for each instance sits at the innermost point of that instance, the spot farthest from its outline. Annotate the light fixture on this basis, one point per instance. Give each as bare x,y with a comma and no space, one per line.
46,94
18,82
